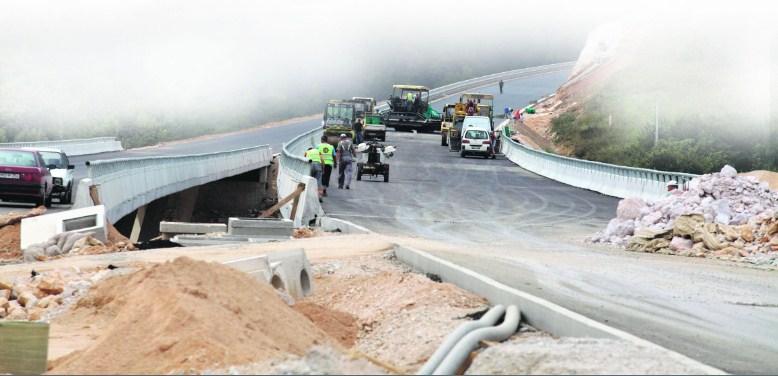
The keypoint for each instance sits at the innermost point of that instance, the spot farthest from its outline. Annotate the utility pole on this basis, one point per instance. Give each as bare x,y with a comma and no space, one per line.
656,123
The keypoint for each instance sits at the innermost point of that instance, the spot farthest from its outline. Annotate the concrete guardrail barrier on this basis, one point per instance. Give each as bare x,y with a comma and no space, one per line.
82,146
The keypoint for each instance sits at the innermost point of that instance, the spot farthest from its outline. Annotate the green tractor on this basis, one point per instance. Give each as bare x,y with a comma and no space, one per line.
409,109
339,118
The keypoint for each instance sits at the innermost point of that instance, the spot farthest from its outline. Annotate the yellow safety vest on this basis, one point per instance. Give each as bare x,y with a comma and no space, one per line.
313,155
325,150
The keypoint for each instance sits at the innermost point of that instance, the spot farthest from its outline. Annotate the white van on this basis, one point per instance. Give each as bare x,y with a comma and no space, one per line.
477,136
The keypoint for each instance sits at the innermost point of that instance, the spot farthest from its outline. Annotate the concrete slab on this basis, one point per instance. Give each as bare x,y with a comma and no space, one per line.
260,226
255,266
191,228
41,228
205,240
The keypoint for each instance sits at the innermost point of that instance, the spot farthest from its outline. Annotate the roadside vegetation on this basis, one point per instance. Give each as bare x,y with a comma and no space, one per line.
692,144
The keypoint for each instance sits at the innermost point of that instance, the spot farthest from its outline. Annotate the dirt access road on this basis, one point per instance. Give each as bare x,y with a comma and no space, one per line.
527,231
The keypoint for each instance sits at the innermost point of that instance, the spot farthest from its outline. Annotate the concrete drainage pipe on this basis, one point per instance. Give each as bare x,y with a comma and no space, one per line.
471,341
487,320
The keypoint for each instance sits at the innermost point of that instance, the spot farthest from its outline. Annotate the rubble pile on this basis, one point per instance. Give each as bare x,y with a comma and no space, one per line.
72,243
721,215
44,295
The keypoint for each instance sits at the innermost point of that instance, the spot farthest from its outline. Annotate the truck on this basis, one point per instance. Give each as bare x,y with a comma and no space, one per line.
409,109
483,106
339,117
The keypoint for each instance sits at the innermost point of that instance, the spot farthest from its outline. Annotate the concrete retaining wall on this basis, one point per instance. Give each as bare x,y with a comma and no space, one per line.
82,146
293,170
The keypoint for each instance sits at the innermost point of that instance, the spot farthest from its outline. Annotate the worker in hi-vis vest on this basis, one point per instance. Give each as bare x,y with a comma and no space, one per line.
314,158
327,153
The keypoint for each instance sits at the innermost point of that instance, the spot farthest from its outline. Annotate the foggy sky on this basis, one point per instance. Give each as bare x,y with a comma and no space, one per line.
66,63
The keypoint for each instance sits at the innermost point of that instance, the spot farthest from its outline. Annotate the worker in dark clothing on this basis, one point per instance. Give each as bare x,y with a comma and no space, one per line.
501,85
358,131
417,104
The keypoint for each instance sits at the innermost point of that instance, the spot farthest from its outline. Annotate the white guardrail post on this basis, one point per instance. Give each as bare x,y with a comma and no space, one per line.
83,146
126,184
608,179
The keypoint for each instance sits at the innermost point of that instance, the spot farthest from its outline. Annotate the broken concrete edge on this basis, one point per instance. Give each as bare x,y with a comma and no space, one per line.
537,312
330,224
41,228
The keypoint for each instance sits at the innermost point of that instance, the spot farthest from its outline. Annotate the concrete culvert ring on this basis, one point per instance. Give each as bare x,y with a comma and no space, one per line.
305,282
277,283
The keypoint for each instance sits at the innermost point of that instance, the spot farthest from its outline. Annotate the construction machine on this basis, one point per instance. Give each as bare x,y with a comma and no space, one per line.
446,121
363,106
373,128
482,105
339,118
409,109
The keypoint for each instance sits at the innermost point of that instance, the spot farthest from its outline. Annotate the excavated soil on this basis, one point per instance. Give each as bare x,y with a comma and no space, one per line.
339,325
10,242
182,316
403,316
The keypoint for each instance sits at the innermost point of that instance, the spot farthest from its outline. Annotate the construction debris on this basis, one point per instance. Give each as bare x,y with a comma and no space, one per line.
43,296
721,215
539,354
71,243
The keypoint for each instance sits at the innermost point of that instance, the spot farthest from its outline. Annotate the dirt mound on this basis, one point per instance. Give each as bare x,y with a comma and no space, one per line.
10,242
10,232
339,325
184,316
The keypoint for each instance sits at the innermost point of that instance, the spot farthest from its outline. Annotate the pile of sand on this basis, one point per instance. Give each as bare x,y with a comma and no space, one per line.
339,325
184,316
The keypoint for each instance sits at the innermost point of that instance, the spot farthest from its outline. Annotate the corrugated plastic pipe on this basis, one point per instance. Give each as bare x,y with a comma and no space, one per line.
487,320
471,341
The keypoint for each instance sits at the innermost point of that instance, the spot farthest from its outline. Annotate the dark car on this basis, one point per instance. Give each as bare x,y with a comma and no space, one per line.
24,177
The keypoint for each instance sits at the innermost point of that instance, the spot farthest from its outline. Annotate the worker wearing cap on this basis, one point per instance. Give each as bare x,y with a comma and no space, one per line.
345,156
314,158
327,153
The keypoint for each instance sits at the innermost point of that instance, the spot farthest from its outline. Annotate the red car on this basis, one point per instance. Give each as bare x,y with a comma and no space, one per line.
24,177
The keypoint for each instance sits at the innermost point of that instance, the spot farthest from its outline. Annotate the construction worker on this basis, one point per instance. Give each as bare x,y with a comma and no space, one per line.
358,131
327,153
314,158
345,154
501,85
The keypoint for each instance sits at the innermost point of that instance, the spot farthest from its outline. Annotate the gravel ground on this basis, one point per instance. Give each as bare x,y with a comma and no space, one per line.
540,354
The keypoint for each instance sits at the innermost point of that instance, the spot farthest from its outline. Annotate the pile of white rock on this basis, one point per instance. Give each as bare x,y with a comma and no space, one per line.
721,215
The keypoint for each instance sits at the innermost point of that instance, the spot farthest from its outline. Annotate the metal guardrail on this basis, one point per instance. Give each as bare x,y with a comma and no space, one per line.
295,169
608,179
456,87
126,184
82,146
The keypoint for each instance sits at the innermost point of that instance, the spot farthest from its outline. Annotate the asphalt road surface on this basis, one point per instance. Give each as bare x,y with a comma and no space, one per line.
528,231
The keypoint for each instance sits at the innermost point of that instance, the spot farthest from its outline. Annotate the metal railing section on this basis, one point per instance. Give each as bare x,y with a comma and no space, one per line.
295,169
608,179
126,184
83,146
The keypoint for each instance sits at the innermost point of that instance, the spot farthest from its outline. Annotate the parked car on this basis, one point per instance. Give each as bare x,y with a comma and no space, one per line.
24,176
477,136
62,174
